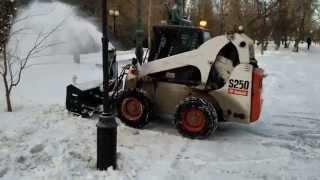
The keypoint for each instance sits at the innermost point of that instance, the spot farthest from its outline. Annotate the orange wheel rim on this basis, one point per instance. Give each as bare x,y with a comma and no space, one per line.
193,120
132,109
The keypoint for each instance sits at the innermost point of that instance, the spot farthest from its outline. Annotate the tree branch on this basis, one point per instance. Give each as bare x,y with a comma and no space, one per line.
37,48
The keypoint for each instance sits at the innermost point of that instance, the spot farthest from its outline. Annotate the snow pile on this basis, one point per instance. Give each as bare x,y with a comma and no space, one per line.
74,34
45,150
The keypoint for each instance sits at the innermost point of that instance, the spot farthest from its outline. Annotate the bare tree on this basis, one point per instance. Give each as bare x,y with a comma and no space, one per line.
7,11
232,14
304,19
12,65
204,10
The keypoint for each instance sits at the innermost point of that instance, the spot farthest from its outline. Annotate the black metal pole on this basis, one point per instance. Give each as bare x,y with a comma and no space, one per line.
139,32
114,24
107,126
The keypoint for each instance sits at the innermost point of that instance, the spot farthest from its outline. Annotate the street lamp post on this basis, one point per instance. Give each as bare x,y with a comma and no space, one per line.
139,32
107,126
114,13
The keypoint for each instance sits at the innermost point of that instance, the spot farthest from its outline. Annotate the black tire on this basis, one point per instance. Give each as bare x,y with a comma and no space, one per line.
134,108
204,118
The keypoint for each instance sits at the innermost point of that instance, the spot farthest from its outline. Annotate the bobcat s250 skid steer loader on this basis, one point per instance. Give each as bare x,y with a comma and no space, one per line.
217,82
202,81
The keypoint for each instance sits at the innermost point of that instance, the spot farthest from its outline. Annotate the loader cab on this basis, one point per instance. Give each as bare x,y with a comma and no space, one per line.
169,40
226,60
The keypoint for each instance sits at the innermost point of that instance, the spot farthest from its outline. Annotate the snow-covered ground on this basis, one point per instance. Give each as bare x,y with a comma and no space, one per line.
40,140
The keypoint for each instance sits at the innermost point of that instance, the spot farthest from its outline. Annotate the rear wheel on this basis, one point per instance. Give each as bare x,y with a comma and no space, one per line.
134,108
196,118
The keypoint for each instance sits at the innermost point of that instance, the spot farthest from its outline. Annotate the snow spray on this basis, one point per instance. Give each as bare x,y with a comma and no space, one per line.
73,34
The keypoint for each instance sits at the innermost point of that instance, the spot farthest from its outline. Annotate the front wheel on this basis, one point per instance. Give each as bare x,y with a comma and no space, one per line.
196,118
134,108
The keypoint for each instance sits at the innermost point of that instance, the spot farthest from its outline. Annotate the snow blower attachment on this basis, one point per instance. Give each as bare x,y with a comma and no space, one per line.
83,102
86,99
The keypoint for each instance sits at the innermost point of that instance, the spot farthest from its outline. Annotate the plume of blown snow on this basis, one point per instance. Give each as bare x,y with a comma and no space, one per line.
73,33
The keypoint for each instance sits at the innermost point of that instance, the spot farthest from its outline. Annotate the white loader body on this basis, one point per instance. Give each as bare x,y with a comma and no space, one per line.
236,98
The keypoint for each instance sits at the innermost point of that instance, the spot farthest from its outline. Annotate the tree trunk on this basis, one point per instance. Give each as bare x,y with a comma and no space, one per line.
261,46
265,45
222,17
7,94
5,81
278,44
277,39
286,44
300,33
296,46
8,99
